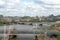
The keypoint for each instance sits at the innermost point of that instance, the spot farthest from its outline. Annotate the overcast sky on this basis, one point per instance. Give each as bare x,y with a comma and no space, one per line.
29,7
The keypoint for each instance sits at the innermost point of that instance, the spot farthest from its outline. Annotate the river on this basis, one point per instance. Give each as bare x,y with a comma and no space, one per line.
29,29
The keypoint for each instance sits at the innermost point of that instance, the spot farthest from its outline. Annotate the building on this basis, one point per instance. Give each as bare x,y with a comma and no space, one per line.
6,19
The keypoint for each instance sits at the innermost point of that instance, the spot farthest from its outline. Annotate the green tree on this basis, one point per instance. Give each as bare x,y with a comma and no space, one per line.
58,37
1,22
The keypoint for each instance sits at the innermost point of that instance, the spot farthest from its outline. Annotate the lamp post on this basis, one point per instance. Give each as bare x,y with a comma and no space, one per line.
34,31
4,32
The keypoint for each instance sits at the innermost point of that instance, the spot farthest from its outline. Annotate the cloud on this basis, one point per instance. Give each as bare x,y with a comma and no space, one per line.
13,1
51,4
49,1
2,7
2,2
31,7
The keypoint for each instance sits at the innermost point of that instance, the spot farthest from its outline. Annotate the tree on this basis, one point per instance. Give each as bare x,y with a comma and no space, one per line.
1,22
58,37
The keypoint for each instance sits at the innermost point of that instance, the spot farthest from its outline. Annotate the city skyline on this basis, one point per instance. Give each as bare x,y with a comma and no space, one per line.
29,7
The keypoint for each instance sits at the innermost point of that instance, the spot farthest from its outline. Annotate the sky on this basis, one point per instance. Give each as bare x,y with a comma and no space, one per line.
29,7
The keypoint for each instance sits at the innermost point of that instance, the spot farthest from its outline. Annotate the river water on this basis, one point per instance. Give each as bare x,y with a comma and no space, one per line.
4,35
18,27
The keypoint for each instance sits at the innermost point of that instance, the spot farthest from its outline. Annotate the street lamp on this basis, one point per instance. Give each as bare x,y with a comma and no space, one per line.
34,31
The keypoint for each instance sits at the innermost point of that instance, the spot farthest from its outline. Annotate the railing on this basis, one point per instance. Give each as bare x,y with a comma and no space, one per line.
5,35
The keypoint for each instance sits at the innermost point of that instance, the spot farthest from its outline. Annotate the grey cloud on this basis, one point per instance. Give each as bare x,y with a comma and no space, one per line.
2,6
